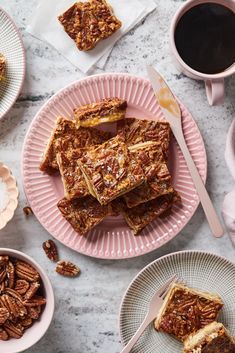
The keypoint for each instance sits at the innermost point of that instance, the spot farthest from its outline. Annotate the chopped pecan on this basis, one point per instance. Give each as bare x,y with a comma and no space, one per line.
50,250
21,286
34,286
27,210
26,271
67,268
13,330
3,335
4,315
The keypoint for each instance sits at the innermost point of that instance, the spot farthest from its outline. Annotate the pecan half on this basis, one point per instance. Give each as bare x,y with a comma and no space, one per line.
36,301
26,322
10,270
26,271
21,286
67,268
27,210
13,330
4,315
32,290
50,250
3,260
3,335
34,312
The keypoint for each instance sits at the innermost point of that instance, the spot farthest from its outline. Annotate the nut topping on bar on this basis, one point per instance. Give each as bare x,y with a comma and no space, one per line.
20,303
67,268
50,249
89,22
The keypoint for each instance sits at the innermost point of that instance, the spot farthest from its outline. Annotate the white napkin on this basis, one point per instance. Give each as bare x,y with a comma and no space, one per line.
228,209
46,26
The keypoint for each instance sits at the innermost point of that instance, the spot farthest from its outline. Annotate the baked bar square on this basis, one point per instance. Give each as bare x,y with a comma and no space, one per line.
3,64
73,180
137,131
110,171
89,22
106,111
140,216
213,338
67,136
84,214
158,178
186,310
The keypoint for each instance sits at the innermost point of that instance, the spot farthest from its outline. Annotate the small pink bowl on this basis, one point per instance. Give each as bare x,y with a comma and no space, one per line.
33,334
10,181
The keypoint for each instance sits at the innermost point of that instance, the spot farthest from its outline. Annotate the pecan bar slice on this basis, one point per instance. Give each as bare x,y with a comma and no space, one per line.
213,338
3,64
110,170
186,310
106,111
84,214
89,22
140,216
64,136
137,131
158,178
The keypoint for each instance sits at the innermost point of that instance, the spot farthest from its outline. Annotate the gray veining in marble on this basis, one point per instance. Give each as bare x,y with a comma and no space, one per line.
86,316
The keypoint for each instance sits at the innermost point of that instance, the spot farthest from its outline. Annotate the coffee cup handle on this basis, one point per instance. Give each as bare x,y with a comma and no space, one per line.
215,91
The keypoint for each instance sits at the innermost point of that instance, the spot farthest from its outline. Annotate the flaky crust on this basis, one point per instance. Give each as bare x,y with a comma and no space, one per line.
106,111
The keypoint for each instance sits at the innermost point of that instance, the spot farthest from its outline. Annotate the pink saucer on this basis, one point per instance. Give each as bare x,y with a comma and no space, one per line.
111,239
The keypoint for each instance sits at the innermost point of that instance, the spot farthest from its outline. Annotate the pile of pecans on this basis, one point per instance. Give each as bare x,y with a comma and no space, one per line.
20,299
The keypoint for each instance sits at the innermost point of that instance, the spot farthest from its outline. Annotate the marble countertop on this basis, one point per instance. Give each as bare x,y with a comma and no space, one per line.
86,315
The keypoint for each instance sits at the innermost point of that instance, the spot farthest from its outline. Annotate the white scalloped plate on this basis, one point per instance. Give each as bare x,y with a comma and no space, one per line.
111,239
200,270
11,46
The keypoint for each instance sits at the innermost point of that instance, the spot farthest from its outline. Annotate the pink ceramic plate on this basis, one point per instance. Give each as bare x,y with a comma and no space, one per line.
111,239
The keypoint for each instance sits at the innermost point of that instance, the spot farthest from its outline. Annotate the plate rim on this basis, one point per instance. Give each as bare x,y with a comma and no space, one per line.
24,62
67,87
181,252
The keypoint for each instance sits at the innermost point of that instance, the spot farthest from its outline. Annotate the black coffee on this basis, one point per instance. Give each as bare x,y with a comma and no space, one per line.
205,38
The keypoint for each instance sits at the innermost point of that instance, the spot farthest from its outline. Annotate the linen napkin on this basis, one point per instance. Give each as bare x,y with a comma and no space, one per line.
46,26
228,208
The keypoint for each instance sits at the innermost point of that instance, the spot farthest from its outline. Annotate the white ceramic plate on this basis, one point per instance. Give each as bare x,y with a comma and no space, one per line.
200,270
11,47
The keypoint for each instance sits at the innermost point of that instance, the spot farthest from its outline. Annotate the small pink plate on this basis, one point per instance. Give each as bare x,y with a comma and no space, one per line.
111,239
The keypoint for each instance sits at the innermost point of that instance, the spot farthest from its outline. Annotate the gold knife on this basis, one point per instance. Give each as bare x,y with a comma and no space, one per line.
172,114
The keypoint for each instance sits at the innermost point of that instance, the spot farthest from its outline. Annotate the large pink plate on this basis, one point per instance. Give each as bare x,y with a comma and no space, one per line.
111,239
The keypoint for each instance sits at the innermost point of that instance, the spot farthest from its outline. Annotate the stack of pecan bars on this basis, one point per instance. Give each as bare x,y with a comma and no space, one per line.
104,175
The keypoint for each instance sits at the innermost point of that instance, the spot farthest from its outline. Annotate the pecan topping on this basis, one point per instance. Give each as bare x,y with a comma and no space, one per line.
50,250
19,302
67,268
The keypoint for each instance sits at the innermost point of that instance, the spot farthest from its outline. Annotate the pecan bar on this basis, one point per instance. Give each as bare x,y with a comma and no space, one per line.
186,310
137,131
106,111
84,214
2,67
64,136
73,180
158,178
140,216
89,22
110,170
213,338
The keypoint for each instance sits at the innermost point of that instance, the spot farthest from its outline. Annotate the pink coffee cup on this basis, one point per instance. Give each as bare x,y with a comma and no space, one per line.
214,83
